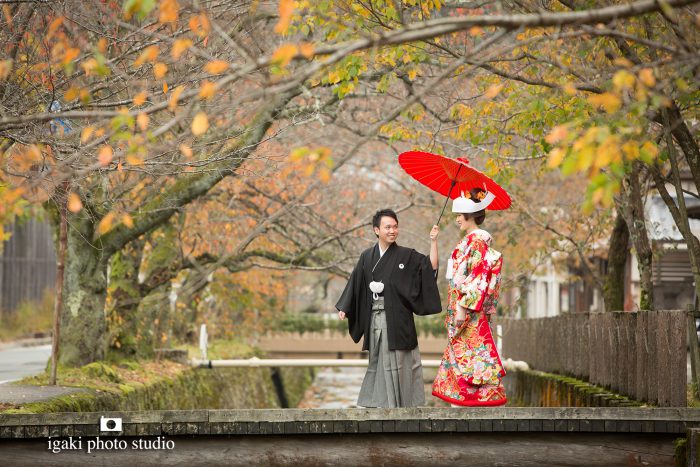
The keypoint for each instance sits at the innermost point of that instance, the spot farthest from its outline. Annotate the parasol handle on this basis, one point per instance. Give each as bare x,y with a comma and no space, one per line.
454,182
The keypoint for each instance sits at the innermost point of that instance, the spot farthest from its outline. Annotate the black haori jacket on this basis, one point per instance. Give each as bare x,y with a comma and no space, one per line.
410,286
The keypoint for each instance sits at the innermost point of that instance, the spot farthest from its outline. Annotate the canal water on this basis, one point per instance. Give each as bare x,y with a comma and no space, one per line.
338,388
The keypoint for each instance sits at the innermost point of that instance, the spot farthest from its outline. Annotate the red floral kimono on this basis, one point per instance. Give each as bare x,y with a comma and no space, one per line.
470,372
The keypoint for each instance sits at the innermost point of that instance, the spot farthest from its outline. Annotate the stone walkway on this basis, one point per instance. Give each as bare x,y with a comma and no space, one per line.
338,388
11,394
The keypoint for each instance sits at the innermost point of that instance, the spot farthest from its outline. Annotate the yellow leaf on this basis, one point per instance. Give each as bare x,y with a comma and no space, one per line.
105,155
99,132
286,9
179,47
207,90
556,155
284,54
165,87
623,62
609,101
159,70
646,76
106,223
174,97
186,151
623,79
216,67
168,11
631,150
74,203
86,133
650,148
557,134
140,98
306,49
412,73
493,91
134,159
5,68
475,31
148,55
142,121
200,124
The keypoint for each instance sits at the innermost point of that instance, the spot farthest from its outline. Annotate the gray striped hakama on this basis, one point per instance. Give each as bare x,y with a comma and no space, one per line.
394,378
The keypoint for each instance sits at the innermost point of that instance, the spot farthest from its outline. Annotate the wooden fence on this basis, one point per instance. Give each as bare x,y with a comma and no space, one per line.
642,355
27,264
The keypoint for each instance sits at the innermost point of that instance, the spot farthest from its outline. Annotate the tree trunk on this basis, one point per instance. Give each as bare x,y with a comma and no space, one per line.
614,286
632,209
124,298
83,338
60,270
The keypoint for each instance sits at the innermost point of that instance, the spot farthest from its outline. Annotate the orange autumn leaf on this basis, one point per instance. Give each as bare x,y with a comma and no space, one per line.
200,25
127,221
105,155
207,90
179,47
148,55
5,68
284,54
286,8
69,55
74,204
140,98
306,49
165,87
134,159
106,223
200,124
174,97
159,70
142,121
216,67
186,151
86,133
71,94
493,91
168,11
557,134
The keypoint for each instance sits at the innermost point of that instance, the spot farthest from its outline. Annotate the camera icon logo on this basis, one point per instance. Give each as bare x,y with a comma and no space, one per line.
110,424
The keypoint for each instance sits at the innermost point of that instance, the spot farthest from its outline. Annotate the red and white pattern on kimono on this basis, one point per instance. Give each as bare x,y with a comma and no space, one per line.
471,370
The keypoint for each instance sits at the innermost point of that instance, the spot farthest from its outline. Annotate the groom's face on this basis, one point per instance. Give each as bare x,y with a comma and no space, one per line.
388,230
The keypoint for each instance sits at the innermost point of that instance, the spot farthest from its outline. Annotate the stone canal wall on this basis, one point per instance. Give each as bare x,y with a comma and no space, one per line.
193,388
531,388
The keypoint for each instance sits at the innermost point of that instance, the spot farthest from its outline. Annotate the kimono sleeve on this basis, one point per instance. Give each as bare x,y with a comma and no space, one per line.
471,278
348,299
425,293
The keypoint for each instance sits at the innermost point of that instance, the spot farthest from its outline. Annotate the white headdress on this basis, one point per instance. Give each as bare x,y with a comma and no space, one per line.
465,205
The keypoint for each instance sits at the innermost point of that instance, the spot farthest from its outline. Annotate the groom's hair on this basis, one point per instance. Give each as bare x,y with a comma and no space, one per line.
377,219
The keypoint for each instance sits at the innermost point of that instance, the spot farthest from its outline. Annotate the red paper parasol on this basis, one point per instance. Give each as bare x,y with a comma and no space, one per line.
451,177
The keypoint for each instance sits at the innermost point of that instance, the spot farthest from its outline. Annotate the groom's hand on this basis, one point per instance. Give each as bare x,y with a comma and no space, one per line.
341,314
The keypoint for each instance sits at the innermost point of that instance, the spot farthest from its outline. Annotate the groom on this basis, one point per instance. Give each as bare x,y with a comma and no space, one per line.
388,285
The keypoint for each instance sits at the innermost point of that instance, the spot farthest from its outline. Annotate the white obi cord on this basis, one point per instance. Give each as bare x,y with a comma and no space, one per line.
376,288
